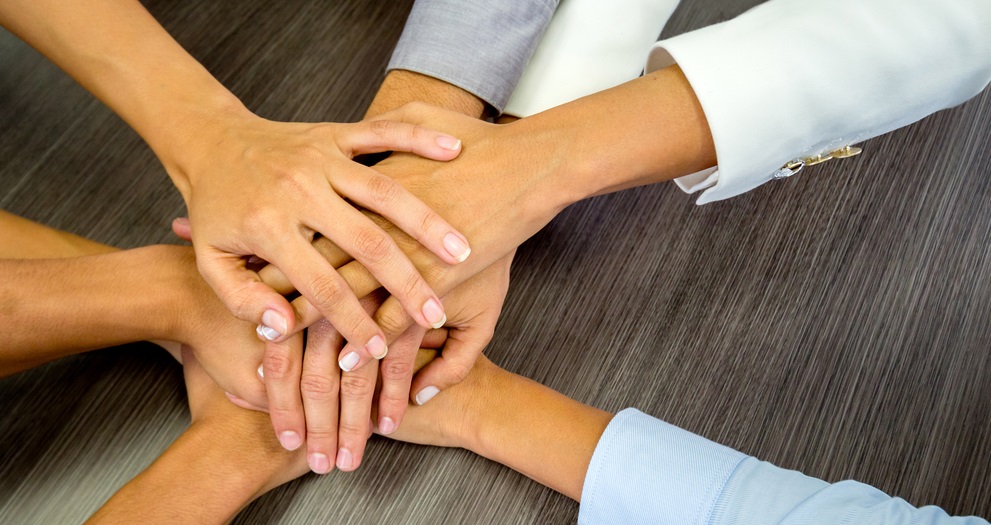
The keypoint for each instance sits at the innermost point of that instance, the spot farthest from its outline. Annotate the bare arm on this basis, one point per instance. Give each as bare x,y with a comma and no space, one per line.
252,186
227,458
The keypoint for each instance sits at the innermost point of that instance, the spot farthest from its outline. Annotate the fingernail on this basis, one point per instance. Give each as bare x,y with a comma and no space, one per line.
319,463
290,440
387,426
376,347
348,362
426,394
457,247
261,372
344,459
276,321
266,333
434,314
448,142
181,221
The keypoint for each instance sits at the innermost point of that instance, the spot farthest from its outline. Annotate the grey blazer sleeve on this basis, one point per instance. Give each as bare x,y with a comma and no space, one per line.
481,46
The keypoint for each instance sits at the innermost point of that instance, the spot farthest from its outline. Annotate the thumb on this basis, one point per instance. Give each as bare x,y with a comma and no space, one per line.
245,295
182,228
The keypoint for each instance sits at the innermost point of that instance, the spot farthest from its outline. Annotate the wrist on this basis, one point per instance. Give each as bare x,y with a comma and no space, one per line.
179,289
192,129
484,417
649,130
401,87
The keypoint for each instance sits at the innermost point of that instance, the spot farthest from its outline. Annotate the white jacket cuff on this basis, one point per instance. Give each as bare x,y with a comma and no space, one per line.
791,79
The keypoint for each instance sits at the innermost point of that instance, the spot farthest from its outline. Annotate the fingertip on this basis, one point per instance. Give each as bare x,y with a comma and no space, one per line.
290,440
457,246
349,360
319,462
426,394
387,426
345,460
450,146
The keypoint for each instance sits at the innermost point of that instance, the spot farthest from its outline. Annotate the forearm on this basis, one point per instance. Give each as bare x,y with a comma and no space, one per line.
21,238
206,476
648,130
66,306
536,431
117,50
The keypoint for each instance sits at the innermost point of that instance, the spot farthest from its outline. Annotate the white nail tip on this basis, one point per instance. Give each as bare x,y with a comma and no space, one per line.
261,371
441,323
349,361
267,333
464,255
426,394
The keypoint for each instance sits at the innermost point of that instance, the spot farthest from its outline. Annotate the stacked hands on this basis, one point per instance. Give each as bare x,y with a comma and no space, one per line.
306,259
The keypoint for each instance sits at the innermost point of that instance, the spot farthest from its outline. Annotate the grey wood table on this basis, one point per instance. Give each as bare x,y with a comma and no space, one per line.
836,323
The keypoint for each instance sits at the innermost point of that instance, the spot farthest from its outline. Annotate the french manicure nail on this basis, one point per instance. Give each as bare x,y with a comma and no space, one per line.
319,463
276,321
448,142
426,394
387,426
457,247
376,347
433,313
261,372
344,459
348,361
290,440
266,333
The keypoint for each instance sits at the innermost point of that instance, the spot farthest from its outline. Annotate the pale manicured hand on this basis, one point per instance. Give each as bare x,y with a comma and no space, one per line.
260,188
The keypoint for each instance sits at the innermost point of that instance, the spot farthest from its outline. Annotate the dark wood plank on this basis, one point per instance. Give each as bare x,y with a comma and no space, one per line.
834,323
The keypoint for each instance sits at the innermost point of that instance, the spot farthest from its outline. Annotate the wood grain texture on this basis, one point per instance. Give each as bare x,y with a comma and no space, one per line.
836,323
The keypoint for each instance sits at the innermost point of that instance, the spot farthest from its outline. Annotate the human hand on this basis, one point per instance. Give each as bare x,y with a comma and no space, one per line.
238,431
501,189
224,346
256,187
474,309
452,419
312,383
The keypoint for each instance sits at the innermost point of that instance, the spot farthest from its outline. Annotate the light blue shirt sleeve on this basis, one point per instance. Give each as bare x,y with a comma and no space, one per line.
481,46
647,471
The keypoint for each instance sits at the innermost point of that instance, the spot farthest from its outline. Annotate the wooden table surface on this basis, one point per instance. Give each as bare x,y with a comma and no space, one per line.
837,323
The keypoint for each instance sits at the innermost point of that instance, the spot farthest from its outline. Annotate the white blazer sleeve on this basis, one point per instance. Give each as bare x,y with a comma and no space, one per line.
792,79
589,46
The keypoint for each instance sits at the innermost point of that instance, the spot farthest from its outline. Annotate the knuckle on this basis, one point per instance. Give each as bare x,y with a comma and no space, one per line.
392,320
381,128
262,220
321,435
283,416
383,190
428,221
434,273
277,366
356,385
294,181
372,244
458,371
393,399
318,387
396,370
349,428
327,287
414,286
